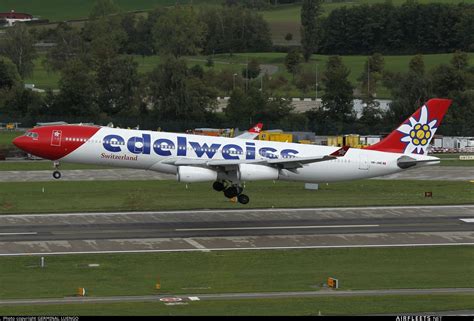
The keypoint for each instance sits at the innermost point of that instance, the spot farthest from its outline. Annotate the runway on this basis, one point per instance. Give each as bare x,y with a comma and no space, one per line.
220,230
235,296
449,173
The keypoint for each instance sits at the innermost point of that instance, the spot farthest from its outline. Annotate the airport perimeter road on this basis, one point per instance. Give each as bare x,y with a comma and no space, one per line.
449,173
233,296
236,229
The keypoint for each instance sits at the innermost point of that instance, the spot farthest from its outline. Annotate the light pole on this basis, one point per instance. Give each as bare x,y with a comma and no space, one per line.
316,99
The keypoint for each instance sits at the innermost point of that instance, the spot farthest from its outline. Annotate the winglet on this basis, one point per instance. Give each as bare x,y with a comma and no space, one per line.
340,152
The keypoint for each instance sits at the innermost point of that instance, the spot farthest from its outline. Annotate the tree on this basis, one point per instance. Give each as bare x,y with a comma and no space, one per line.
103,8
210,62
460,60
310,11
289,36
117,85
9,76
235,109
179,32
409,90
77,91
337,100
18,45
292,61
417,65
252,70
254,105
371,75
106,38
69,45
177,95
234,29
306,80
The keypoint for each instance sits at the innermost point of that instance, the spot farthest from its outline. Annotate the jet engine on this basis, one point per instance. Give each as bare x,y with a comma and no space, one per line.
193,174
250,172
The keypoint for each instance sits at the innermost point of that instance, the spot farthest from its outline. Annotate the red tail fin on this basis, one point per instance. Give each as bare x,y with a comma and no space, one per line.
256,129
415,134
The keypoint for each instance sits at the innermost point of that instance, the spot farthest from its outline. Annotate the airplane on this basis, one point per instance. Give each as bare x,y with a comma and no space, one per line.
252,133
229,162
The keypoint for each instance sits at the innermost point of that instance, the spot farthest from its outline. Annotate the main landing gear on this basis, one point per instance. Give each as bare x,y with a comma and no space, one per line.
56,173
231,191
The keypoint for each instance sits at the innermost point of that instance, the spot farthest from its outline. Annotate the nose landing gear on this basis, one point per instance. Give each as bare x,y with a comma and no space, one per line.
56,173
231,191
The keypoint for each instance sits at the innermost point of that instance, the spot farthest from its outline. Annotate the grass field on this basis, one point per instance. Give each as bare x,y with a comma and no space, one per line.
41,77
238,271
6,137
261,307
453,160
87,196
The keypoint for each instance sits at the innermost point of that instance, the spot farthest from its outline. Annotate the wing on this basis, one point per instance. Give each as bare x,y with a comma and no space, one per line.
280,163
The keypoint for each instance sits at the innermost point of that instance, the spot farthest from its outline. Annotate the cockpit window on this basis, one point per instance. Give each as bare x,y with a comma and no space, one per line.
32,135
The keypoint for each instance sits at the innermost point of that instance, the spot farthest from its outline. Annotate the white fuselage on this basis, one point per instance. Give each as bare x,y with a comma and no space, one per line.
150,150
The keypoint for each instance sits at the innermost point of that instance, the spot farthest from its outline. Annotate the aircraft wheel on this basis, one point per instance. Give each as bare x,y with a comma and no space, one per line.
231,192
57,174
243,199
218,186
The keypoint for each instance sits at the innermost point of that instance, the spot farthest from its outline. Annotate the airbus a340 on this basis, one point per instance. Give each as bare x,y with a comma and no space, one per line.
229,162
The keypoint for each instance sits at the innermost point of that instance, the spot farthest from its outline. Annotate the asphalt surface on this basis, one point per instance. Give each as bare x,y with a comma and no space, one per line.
449,173
251,229
234,296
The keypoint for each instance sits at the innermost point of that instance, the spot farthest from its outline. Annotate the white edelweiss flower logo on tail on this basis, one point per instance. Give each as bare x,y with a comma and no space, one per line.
418,133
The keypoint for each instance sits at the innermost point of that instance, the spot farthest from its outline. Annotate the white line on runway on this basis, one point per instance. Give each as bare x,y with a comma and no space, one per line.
245,210
196,244
19,233
270,227
242,249
467,220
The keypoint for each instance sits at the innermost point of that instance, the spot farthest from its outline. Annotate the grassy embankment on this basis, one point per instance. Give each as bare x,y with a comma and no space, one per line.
238,271
89,196
247,271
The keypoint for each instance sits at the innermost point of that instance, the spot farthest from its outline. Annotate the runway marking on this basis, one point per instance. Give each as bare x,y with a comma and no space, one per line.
244,210
19,233
467,220
196,244
270,227
242,249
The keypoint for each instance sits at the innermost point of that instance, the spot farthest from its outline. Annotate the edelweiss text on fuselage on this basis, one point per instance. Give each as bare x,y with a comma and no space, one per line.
163,147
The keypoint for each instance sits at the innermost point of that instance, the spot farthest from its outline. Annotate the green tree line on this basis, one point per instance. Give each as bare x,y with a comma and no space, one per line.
410,28
100,82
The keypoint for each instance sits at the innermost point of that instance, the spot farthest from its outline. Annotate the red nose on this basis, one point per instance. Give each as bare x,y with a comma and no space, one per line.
21,142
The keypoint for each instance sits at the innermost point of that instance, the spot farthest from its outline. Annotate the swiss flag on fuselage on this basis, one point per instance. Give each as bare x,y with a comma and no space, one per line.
56,138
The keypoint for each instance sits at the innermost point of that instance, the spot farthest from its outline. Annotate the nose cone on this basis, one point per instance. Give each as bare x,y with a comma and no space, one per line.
20,142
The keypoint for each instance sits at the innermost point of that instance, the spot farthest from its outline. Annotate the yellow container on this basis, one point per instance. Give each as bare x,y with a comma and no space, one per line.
332,141
276,137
